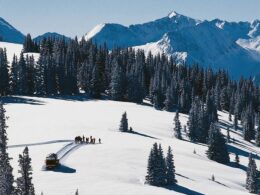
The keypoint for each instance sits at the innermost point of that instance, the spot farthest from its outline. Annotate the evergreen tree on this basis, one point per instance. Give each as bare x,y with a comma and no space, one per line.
24,181
6,176
251,179
237,161
123,123
235,122
40,72
170,168
177,127
248,125
29,45
4,75
22,83
161,167
228,135
30,74
14,76
257,136
95,83
156,169
192,123
217,149
117,82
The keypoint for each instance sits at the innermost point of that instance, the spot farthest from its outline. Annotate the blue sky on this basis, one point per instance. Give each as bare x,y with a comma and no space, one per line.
76,17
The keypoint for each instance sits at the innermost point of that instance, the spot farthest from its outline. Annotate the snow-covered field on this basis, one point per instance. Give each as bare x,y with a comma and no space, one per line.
118,165
15,49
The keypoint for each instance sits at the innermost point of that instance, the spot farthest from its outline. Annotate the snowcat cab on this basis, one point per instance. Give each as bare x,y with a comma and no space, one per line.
51,161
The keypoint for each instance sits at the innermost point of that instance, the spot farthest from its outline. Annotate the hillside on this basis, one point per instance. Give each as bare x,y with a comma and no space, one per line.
118,165
52,35
9,33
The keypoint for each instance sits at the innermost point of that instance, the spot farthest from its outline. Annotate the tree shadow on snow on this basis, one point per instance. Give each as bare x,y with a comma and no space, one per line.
142,134
183,190
20,100
180,175
77,98
241,152
234,165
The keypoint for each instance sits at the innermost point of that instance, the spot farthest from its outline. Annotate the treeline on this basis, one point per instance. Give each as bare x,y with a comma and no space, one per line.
70,67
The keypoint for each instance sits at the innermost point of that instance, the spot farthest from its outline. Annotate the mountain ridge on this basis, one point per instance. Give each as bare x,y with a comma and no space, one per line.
217,43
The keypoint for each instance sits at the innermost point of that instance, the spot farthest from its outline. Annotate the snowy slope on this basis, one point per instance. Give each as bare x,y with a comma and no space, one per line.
118,165
9,33
15,49
209,45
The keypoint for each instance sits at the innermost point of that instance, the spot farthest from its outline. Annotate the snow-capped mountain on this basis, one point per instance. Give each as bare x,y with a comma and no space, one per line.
9,34
52,35
119,35
220,44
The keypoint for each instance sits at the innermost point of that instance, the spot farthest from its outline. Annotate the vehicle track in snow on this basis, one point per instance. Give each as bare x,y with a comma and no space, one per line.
63,152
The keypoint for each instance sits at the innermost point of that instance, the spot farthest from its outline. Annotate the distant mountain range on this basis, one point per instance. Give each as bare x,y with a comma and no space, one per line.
10,34
234,46
52,35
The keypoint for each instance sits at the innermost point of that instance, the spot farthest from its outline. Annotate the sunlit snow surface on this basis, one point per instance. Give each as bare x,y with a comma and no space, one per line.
118,165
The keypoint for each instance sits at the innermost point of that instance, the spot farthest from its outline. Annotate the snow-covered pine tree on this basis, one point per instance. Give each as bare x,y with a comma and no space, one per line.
4,75
24,181
257,135
123,123
228,135
211,110
29,45
117,82
217,149
151,167
251,179
14,76
30,63
237,161
156,169
22,84
235,122
248,124
6,176
170,168
161,167
177,126
192,123
169,102
230,117
95,83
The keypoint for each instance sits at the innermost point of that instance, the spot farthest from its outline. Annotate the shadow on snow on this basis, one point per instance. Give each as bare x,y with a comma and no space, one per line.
183,190
20,100
61,169
142,134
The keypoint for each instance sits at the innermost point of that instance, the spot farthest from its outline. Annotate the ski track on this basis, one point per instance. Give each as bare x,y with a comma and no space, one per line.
39,143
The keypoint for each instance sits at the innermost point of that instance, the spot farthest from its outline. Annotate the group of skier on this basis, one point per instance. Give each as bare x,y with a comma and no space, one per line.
88,140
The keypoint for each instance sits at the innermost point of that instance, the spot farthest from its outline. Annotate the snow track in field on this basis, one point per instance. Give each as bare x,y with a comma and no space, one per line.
39,143
67,149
